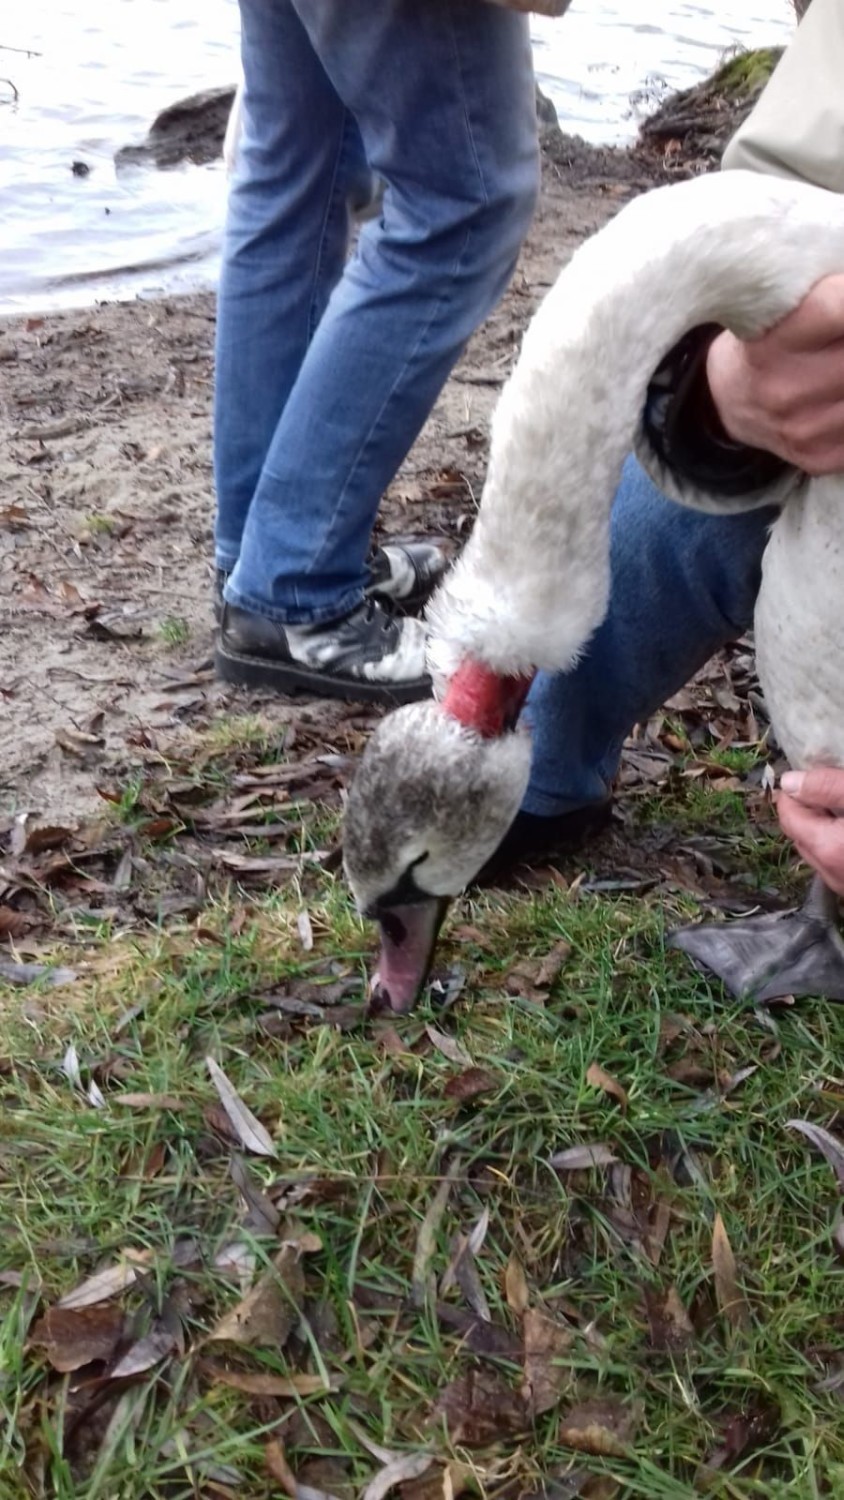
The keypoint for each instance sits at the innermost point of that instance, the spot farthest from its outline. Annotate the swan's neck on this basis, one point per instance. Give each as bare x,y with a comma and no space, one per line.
735,248
487,702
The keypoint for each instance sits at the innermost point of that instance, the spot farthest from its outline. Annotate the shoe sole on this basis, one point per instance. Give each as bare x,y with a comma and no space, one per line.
292,679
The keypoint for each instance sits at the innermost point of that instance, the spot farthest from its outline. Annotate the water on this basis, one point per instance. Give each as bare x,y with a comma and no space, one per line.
108,66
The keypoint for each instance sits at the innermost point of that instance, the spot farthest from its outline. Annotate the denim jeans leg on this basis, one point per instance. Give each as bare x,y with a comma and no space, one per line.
300,158
683,585
443,95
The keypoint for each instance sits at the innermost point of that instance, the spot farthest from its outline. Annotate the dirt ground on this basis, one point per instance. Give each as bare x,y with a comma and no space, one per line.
106,512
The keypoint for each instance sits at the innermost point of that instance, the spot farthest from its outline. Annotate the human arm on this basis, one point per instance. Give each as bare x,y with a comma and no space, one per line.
810,807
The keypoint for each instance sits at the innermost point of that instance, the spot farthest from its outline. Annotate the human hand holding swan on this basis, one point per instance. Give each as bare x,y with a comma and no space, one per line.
440,783
784,392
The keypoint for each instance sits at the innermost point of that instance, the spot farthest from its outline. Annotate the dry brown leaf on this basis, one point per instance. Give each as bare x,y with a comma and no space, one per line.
444,1484
515,1285
144,1354
449,1047
605,1427
824,1141
403,1467
388,1038
249,1131
596,1076
469,1084
306,931
265,1383
670,1325
265,1316
426,1238
276,1465
108,1282
76,1336
148,1101
551,965
480,1407
730,1299
546,1377
579,1158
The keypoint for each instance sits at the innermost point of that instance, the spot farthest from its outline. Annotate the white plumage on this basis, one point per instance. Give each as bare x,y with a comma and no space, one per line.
737,249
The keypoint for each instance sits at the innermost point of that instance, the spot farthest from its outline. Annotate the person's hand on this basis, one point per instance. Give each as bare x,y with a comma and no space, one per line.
807,806
784,392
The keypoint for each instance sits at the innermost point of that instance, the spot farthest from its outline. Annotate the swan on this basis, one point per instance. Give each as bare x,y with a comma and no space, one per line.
440,782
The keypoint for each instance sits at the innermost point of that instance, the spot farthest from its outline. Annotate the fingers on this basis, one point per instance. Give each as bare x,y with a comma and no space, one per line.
822,787
818,837
819,319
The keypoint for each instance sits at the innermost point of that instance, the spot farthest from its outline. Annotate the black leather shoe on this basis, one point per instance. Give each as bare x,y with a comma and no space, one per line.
403,573
531,840
370,656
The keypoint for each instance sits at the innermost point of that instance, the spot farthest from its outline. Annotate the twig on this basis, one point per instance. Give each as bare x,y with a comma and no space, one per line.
24,51
15,94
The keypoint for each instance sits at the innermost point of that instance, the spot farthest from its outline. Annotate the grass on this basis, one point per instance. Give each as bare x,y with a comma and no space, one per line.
364,1135
174,631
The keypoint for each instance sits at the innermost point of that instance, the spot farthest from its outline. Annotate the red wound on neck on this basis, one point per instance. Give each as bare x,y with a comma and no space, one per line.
484,700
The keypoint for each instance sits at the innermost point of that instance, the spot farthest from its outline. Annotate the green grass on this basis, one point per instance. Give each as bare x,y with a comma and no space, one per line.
373,1133
174,631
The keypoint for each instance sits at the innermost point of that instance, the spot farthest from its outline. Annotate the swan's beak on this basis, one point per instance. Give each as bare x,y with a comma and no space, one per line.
408,938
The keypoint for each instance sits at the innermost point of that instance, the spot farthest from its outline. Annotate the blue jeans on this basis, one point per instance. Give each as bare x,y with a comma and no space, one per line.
327,369
683,585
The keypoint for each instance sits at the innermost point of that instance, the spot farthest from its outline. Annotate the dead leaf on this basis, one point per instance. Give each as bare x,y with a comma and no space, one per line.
76,1336
143,1354
469,1084
148,1101
546,1377
404,1466
579,1158
237,1259
480,1407
605,1427
108,1282
515,1285
596,1076
249,1131
306,931
552,964
670,1325
449,1047
265,1316
264,1383
276,1465
824,1141
262,1216
426,1238
731,1301
13,924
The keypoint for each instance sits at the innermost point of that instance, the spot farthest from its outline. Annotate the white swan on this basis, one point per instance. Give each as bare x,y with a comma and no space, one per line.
440,782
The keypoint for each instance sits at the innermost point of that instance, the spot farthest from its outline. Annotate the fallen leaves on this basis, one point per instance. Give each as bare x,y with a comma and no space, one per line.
547,1371
825,1142
599,1079
480,1407
604,1427
79,1335
731,1300
265,1316
249,1131
580,1158
401,1468
470,1084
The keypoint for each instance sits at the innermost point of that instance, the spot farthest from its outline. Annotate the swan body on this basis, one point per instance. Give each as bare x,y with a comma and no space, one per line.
738,249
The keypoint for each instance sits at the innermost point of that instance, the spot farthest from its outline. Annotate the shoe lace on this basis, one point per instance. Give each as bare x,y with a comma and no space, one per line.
385,608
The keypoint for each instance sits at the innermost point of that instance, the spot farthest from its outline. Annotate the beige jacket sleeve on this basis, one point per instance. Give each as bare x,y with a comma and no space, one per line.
797,128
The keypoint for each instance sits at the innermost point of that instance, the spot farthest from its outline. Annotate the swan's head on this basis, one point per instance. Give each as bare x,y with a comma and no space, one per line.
430,803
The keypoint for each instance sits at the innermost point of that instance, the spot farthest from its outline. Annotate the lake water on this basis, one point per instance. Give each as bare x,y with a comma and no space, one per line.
106,67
